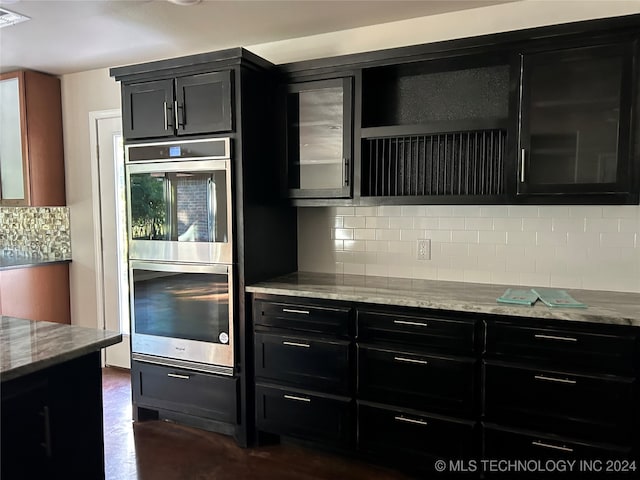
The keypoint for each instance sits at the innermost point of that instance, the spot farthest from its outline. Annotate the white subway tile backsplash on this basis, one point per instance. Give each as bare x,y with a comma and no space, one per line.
478,223
354,222
466,236
601,225
568,224
451,223
617,239
536,224
522,211
508,224
558,246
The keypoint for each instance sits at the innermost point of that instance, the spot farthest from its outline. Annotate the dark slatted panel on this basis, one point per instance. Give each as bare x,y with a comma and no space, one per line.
462,163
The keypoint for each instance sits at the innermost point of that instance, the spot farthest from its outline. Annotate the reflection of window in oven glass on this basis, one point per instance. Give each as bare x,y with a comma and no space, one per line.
189,306
148,207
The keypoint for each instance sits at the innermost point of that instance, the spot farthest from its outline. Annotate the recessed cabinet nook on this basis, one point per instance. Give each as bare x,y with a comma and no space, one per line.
538,116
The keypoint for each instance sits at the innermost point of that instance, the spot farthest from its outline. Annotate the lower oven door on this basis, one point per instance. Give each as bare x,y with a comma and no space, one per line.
182,311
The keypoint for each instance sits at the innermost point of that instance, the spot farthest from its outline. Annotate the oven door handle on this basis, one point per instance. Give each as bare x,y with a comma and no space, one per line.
219,268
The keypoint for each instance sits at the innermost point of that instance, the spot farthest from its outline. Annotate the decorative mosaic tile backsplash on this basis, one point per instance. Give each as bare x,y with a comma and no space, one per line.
35,232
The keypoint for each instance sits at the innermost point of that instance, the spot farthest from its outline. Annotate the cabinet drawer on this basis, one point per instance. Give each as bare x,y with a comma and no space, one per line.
317,364
412,438
310,416
501,442
303,317
185,391
420,330
414,380
601,408
553,346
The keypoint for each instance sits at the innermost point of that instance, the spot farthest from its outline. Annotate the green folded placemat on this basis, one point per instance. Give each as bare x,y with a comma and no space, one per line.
557,298
518,297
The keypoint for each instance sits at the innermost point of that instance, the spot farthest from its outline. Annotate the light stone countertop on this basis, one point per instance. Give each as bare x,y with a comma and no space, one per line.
615,308
28,346
9,263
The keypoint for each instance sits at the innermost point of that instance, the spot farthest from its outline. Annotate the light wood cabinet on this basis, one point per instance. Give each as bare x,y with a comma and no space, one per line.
36,293
31,145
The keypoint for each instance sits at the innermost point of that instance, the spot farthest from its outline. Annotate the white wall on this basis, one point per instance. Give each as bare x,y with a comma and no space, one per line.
82,93
95,90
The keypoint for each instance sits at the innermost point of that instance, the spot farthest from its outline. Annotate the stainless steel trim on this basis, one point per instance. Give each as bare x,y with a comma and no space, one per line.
177,375
225,140
410,360
183,349
179,166
182,364
298,399
415,324
291,310
554,337
554,447
166,121
522,164
410,420
552,379
296,344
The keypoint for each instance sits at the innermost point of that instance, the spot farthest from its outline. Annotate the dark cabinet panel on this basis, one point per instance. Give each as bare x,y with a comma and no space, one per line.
306,415
204,103
576,114
414,439
425,331
187,105
597,407
317,364
415,380
600,351
185,391
302,316
319,134
148,109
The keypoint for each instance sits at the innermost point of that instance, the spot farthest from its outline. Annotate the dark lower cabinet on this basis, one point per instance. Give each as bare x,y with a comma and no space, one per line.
186,392
306,415
414,439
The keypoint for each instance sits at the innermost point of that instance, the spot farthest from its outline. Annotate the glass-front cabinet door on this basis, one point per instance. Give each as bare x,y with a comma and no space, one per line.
319,138
575,123
13,190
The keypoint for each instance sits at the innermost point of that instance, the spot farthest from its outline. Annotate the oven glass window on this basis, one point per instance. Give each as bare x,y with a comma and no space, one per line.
183,207
190,306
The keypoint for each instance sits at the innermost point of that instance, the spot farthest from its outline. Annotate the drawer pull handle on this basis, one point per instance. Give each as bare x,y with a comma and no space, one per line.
177,375
295,344
410,360
292,310
297,399
554,337
554,447
406,322
410,420
557,380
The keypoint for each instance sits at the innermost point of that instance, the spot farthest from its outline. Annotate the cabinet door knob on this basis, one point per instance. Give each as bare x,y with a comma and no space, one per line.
410,360
177,375
554,337
523,154
166,116
406,322
292,310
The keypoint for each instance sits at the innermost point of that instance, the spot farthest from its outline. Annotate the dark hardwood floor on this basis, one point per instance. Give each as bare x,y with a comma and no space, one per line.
158,450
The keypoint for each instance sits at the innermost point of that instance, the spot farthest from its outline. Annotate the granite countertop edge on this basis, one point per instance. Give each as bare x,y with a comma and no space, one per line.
13,263
320,286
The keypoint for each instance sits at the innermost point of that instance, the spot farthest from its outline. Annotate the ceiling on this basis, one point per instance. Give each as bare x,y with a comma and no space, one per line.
71,36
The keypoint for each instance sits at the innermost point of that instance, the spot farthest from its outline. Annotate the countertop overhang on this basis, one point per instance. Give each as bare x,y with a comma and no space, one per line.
9,263
29,346
614,308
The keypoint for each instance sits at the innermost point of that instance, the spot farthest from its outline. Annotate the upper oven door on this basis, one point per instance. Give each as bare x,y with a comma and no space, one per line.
180,211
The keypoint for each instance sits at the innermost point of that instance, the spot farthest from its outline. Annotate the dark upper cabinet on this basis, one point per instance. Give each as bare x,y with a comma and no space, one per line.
576,121
319,131
189,105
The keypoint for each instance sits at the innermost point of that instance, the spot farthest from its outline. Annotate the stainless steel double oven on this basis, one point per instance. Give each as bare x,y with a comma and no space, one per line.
180,213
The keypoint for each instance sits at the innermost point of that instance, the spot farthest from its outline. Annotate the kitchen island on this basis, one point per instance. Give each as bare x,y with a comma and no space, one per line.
51,399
